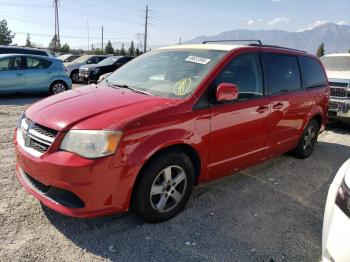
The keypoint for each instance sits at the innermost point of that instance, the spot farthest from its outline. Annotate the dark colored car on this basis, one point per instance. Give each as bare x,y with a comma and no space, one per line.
91,73
24,50
165,121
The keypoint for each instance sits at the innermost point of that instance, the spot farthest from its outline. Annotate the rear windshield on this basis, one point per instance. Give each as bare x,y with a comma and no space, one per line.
336,63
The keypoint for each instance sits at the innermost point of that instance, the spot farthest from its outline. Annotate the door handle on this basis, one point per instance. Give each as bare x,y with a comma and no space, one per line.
262,109
277,106
19,74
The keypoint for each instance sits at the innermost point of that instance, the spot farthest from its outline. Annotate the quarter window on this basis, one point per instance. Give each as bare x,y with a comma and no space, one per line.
37,63
245,72
11,63
312,72
282,73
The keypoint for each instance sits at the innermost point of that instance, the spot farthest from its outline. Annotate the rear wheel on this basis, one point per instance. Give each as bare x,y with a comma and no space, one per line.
164,187
57,87
308,140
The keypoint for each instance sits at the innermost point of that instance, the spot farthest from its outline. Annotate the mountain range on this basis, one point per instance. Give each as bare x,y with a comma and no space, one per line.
335,37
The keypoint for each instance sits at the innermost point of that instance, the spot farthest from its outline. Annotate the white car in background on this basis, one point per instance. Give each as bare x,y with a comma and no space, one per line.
336,222
72,68
338,72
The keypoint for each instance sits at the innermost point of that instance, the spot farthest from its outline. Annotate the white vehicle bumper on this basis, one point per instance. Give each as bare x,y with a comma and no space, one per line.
336,225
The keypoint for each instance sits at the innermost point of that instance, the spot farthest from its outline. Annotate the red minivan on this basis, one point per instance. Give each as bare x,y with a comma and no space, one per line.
169,119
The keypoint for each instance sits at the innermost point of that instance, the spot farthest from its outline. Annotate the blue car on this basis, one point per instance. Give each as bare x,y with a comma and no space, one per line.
20,73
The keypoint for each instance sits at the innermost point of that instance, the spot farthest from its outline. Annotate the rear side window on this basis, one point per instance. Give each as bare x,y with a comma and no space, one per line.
282,73
312,72
245,72
11,63
38,63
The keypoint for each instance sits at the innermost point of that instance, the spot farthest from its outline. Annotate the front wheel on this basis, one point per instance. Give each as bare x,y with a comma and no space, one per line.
308,140
75,76
164,187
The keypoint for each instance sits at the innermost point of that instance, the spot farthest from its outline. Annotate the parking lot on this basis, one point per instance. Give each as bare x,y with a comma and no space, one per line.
271,212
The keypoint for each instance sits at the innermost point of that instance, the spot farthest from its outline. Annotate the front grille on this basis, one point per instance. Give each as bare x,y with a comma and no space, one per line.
45,131
38,146
333,106
338,92
338,84
35,136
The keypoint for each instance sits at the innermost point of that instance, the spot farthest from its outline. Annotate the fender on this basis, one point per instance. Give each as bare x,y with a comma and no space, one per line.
315,110
60,79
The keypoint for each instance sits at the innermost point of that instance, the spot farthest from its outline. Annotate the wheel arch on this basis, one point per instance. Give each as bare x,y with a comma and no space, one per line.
189,150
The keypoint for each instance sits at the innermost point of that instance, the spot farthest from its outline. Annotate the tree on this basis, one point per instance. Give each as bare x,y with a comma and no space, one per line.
137,52
122,50
109,48
132,49
6,35
117,52
320,50
28,42
349,51
97,51
55,44
65,48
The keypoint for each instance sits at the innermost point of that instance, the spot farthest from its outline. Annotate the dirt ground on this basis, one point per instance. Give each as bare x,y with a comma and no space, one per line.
271,212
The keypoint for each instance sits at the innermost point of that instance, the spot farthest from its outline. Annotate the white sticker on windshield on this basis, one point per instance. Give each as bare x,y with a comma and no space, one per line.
198,59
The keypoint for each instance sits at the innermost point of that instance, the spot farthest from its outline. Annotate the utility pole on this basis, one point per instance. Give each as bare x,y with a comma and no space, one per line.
180,42
57,24
102,41
145,36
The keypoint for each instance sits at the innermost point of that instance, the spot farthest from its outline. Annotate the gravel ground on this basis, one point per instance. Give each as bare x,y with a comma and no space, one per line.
271,212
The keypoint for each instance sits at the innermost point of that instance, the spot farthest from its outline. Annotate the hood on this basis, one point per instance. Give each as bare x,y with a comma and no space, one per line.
88,66
65,110
338,75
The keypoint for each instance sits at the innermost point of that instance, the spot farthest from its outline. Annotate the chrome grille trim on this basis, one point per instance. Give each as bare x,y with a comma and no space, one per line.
34,138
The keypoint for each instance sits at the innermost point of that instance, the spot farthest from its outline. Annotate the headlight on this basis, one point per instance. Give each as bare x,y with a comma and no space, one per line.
343,198
91,143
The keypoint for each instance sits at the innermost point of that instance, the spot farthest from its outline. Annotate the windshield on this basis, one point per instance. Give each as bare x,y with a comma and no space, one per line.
81,59
167,73
109,61
336,63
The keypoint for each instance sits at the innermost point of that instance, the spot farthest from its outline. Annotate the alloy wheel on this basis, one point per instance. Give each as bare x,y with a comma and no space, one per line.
58,88
168,189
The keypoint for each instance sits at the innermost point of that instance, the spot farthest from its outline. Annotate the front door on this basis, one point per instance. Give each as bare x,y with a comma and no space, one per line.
239,128
12,75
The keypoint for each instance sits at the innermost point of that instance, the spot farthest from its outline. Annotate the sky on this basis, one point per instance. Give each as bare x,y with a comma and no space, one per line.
170,20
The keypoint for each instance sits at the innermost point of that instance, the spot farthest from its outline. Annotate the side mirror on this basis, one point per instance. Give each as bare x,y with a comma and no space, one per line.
226,92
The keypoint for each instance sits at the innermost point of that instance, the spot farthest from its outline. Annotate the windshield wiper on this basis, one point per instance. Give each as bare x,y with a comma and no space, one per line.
132,89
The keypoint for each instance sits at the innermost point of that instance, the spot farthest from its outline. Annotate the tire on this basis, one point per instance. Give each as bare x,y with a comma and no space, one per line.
164,187
308,140
75,76
58,87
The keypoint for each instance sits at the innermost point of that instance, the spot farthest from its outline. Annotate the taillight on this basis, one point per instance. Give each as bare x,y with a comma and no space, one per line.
343,198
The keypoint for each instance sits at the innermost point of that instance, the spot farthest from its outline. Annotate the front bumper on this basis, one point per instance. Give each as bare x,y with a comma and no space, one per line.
339,108
74,186
87,76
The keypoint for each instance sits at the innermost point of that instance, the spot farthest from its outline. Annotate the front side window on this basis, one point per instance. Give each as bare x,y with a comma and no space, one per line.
245,72
38,63
312,72
282,73
167,73
11,63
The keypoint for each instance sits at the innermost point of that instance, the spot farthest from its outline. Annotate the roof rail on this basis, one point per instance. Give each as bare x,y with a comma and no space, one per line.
258,42
279,47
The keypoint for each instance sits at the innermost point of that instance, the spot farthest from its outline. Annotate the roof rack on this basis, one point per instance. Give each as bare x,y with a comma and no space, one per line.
276,46
258,42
